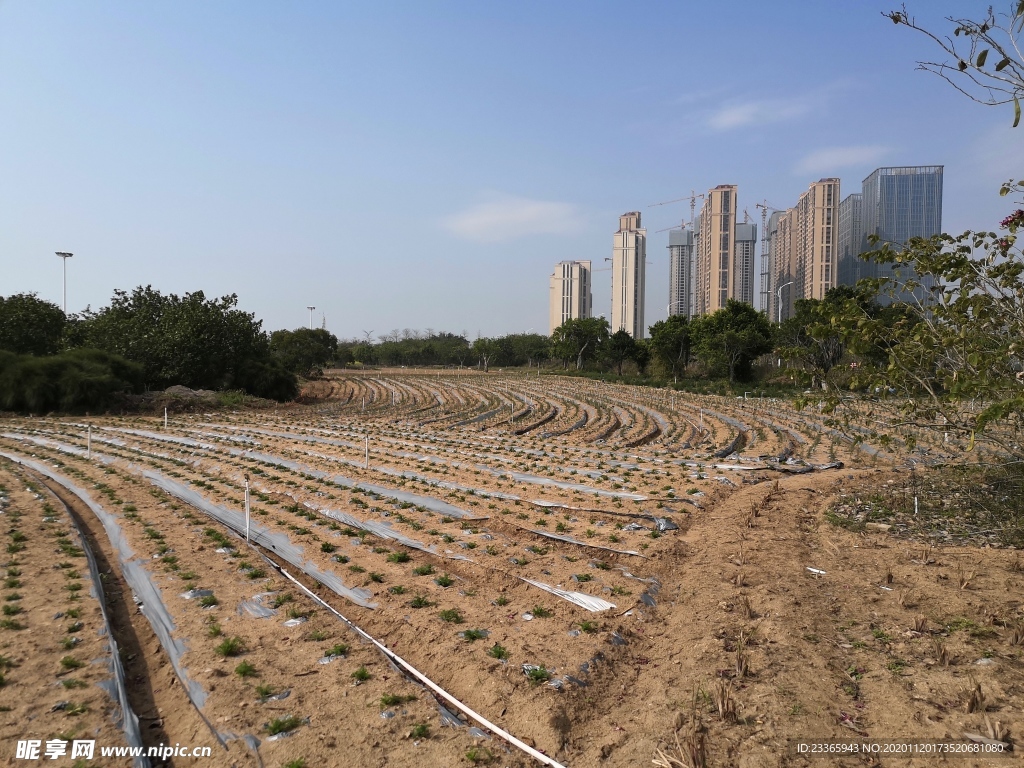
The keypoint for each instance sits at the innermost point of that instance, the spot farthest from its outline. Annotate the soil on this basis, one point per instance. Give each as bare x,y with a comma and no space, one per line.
751,597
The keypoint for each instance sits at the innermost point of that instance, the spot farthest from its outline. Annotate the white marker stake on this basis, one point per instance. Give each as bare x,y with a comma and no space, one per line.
367,458
88,445
247,508
165,418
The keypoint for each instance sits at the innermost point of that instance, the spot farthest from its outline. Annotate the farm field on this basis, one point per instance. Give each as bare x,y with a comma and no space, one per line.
450,568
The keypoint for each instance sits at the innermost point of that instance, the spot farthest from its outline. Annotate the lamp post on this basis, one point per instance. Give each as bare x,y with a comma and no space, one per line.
311,317
778,294
668,309
64,255
778,303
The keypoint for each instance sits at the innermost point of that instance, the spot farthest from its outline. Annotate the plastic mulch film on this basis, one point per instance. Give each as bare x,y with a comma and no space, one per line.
591,603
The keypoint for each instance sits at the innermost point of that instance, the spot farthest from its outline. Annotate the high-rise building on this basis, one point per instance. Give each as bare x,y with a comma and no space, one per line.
714,283
681,243
743,263
784,263
848,241
629,253
817,222
772,257
899,203
803,247
571,296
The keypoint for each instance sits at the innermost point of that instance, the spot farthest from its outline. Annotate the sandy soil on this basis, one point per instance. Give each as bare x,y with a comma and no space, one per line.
888,640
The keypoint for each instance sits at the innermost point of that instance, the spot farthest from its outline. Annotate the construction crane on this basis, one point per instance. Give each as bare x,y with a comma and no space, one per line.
693,197
766,287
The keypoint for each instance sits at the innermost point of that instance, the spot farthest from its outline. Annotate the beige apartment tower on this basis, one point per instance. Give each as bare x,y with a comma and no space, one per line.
629,253
806,247
715,282
571,296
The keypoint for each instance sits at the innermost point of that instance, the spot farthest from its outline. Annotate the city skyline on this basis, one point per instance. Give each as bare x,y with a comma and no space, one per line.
231,148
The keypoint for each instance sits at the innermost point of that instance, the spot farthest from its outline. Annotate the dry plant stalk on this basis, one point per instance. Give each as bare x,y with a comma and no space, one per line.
741,558
941,654
976,701
742,666
964,578
1016,566
920,623
755,510
748,611
1017,635
724,702
690,753
888,575
996,731
904,599
740,580
750,519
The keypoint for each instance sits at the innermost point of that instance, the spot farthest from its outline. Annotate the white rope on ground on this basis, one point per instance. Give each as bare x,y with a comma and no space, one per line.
413,672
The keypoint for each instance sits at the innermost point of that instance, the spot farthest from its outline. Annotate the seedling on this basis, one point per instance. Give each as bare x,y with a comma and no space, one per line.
538,675
283,724
497,651
540,612
444,581
473,634
399,557
501,600
420,602
452,616
338,650
245,669
391,700
70,662
231,646
420,731
361,675
208,601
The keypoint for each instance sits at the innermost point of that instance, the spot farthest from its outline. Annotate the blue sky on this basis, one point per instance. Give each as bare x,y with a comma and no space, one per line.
424,165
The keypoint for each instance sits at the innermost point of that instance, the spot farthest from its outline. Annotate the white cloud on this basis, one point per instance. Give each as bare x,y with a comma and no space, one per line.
737,114
830,159
507,218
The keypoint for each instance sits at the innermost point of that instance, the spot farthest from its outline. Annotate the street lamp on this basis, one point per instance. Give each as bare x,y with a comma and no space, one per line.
778,303
64,257
311,317
779,295
668,309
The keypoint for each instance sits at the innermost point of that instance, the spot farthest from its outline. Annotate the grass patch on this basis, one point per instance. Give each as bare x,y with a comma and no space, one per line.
70,662
420,601
444,581
470,635
497,651
540,612
283,724
208,601
338,650
452,616
245,669
361,675
230,646
423,570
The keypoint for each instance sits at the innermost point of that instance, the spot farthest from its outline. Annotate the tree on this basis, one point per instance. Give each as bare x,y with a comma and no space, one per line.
579,338
30,325
188,340
731,338
618,348
811,336
984,57
484,349
957,361
304,350
670,344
